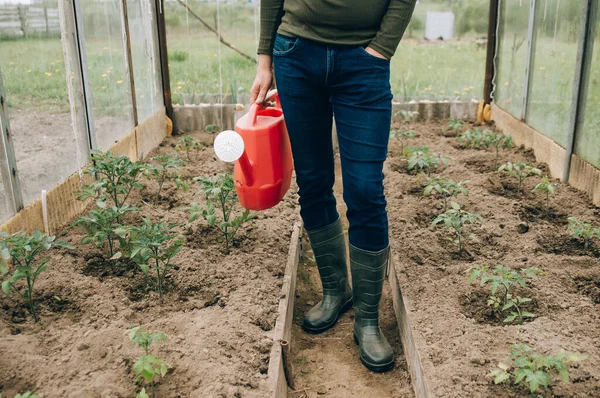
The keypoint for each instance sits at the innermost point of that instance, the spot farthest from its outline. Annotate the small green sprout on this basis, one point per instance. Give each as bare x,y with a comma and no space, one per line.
115,177
548,188
475,138
506,278
164,167
535,370
27,394
585,230
498,141
445,188
104,229
421,159
455,125
188,144
402,136
212,128
520,170
408,116
454,220
20,261
147,367
220,193
153,246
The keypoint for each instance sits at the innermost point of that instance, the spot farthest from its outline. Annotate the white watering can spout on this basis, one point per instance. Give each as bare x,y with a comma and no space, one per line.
229,146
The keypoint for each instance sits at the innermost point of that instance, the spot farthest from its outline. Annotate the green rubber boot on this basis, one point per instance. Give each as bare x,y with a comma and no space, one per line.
368,273
328,244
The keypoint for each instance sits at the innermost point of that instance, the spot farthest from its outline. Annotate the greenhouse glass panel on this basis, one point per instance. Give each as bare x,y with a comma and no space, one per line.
203,70
33,69
439,69
557,27
587,142
107,70
143,31
512,55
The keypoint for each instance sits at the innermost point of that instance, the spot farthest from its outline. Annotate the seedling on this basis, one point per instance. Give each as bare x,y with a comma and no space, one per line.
104,229
408,116
548,188
454,220
20,262
445,188
455,125
402,136
507,303
535,370
212,128
475,138
422,160
115,176
582,229
220,192
498,141
163,167
153,246
520,170
27,394
188,144
147,367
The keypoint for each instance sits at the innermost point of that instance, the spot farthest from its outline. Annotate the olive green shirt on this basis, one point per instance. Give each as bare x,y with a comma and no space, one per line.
379,24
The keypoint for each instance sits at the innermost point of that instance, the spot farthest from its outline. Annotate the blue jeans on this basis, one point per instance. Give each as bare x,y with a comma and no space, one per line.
315,83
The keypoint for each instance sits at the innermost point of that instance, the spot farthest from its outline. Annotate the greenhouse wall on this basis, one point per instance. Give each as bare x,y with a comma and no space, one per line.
89,80
548,76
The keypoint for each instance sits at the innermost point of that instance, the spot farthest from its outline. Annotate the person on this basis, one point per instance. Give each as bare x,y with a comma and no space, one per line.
331,60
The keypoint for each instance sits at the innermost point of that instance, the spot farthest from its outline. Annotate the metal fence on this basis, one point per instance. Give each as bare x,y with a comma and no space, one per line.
548,71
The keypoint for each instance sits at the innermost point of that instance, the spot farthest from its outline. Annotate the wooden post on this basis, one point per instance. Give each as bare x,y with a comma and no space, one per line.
8,161
129,58
23,18
164,59
46,19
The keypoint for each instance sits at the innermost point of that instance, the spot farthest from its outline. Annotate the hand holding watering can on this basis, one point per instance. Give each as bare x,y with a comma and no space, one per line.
260,146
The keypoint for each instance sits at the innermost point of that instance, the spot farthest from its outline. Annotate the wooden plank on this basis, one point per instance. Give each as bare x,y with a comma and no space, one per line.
419,379
150,133
277,383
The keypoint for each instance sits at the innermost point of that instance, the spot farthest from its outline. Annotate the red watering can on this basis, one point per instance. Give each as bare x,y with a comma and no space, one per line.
260,146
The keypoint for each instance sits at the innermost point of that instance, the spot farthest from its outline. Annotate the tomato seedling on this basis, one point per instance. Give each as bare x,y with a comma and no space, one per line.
582,229
421,159
220,193
508,304
27,394
188,144
521,170
475,138
548,188
455,125
152,246
104,229
164,167
407,116
535,370
402,136
498,141
212,128
445,188
115,177
454,220
20,262
147,367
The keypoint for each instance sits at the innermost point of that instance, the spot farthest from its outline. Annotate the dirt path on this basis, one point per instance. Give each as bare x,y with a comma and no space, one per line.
328,364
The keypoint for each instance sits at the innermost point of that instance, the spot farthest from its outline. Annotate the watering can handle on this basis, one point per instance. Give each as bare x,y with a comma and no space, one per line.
253,113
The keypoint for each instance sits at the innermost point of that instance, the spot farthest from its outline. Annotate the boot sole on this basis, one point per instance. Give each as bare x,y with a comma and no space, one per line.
347,305
377,368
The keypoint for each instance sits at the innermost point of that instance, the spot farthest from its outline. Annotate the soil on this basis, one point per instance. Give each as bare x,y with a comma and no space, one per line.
328,364
219,310
449,315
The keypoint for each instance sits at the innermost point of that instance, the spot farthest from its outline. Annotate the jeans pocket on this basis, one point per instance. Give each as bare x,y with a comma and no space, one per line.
284,45
364,52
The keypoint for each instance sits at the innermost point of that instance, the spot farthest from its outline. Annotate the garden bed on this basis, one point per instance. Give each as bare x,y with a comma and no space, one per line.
218,311
459,340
